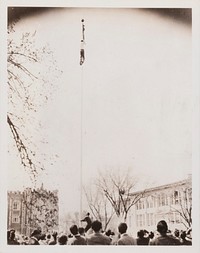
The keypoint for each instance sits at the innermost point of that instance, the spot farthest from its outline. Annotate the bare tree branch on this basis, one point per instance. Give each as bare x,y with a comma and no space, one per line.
98,206
23,99
118,190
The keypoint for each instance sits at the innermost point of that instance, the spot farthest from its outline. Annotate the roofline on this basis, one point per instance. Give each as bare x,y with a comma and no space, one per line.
181,182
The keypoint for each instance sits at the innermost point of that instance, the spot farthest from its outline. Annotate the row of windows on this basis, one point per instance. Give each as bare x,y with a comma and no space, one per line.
160,200
145,220
150,219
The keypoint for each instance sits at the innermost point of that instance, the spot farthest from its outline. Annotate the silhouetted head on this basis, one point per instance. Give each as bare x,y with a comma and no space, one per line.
176,233
183,235
12,235
42,237
140,233
36,233
108,232
81,230
8,234
122,228
62,240
96,226
48,236
74,229
162,227
54,235
151,235
189,234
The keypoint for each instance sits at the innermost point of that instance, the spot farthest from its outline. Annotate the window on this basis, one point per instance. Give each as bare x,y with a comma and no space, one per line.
15,219
154,201
151,219
137,220
162,199
140,204
143,220
176,197
140,220
171,199
159,200
148,219
171,217
149,202
137,223
16,205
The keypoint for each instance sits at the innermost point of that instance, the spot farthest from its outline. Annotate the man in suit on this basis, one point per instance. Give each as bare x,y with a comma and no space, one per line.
97,238
125,239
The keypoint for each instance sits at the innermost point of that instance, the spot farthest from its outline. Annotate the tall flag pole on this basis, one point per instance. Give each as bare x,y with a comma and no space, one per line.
82,59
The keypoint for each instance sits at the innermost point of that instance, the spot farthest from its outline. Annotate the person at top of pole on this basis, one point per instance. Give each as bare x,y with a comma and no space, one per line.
82,45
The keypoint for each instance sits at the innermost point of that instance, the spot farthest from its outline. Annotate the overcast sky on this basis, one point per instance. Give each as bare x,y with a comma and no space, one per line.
137,97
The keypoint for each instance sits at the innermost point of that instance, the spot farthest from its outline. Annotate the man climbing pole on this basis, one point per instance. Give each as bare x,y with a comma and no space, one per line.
82,52
82,46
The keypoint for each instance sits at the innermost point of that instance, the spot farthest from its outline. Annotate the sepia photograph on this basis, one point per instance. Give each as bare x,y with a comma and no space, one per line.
99,127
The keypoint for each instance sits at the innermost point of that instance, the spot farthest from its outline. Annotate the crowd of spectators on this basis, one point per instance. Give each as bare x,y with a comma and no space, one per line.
95,236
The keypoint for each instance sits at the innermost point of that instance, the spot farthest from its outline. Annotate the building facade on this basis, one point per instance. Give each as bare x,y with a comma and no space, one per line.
170,202
32,209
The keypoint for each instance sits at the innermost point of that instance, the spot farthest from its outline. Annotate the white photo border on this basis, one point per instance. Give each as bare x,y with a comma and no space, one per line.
195,5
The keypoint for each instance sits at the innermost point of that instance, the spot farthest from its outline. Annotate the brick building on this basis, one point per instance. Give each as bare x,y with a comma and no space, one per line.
31,209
